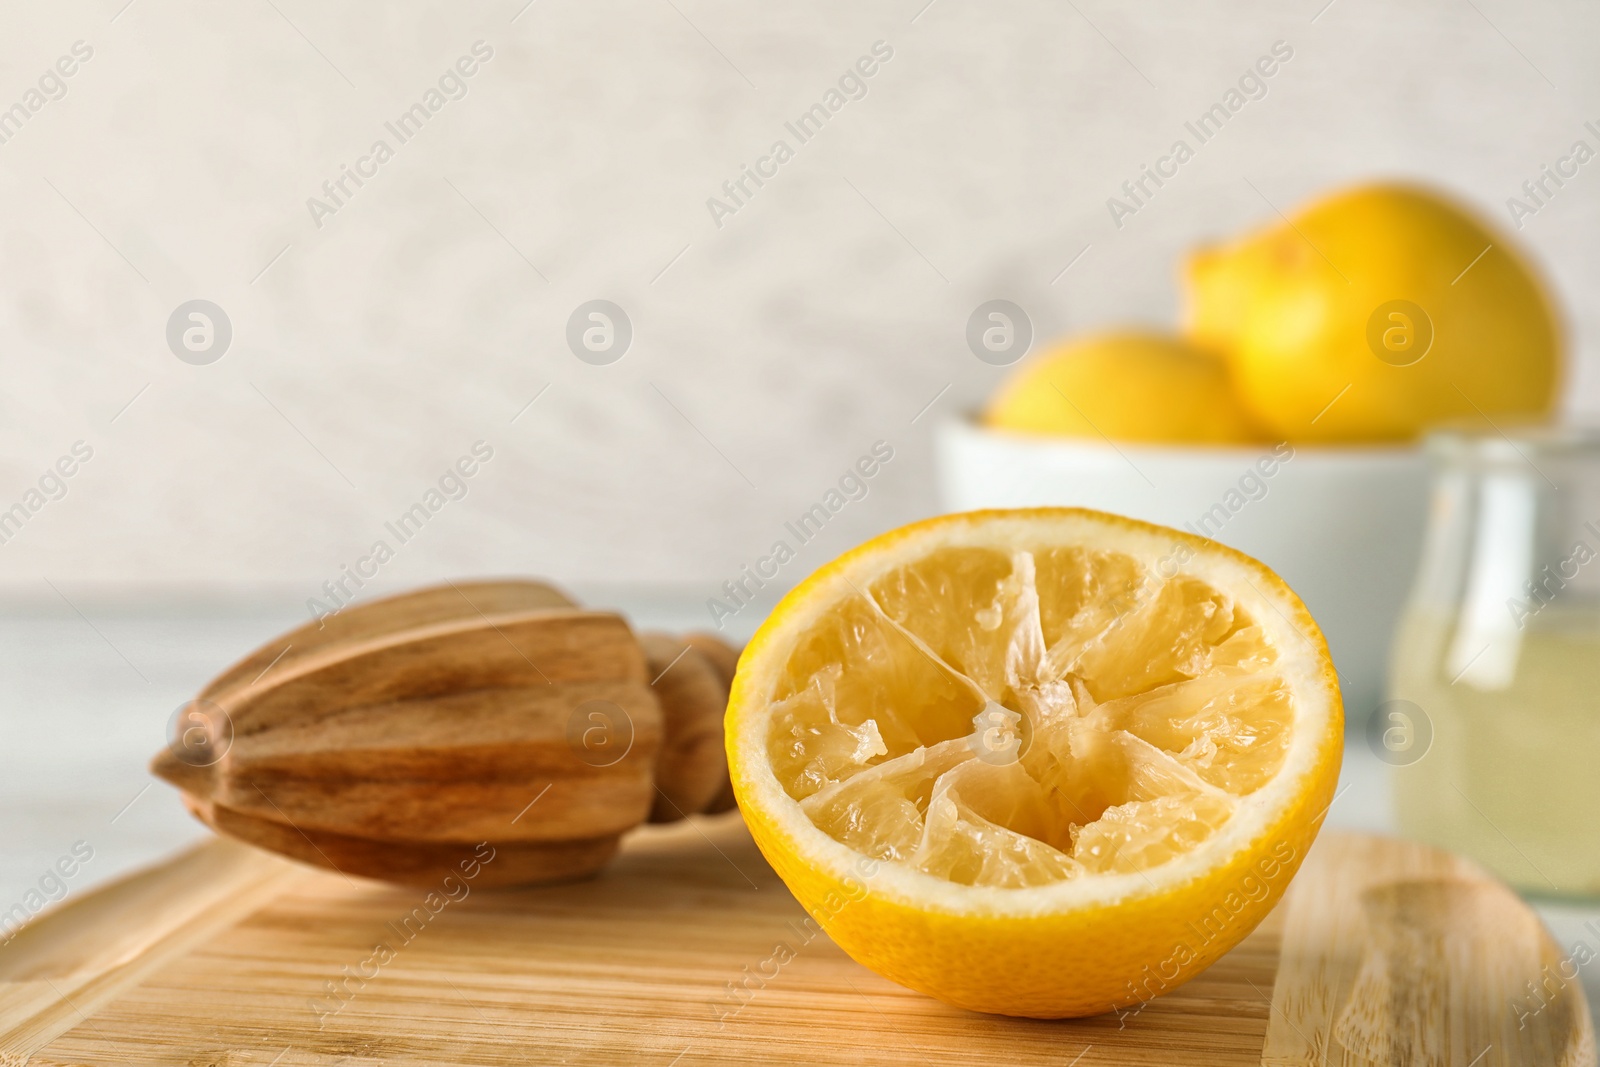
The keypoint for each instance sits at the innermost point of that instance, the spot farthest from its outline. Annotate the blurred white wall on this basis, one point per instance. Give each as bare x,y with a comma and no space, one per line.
768,353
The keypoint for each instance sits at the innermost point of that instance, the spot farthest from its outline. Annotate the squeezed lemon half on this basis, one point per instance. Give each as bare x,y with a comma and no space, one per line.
1045,762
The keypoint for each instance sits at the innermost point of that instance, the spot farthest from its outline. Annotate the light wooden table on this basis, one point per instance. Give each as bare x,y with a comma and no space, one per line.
86,693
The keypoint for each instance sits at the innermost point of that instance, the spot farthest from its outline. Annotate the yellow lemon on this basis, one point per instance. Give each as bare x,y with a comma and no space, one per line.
1044,762
1373,314
1127,385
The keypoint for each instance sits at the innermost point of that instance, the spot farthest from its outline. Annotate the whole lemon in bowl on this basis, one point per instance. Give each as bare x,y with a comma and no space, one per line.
1124,385
1374,313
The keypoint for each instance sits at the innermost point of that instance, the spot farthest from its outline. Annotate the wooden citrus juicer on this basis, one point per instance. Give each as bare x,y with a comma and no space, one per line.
404,738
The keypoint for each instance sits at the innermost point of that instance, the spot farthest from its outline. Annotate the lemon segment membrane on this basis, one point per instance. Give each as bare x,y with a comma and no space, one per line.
1018,718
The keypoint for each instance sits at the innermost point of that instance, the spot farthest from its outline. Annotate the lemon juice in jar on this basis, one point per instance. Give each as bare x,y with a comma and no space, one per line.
1494,722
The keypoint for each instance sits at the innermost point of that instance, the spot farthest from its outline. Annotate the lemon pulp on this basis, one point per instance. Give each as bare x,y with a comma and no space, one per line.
1019,718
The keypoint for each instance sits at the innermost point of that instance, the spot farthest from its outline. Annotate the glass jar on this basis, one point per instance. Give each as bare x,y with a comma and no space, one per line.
1494,719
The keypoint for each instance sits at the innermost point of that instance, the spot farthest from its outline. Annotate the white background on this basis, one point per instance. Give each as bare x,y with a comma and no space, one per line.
766,357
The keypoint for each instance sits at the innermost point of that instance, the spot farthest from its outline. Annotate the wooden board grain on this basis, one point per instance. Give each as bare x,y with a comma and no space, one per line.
671,957
55,974
1393,953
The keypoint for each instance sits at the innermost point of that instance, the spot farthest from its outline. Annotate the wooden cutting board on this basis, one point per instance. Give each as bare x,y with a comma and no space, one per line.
1382,953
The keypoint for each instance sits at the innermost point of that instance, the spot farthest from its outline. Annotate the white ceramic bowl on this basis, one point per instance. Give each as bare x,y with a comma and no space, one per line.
1343,526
